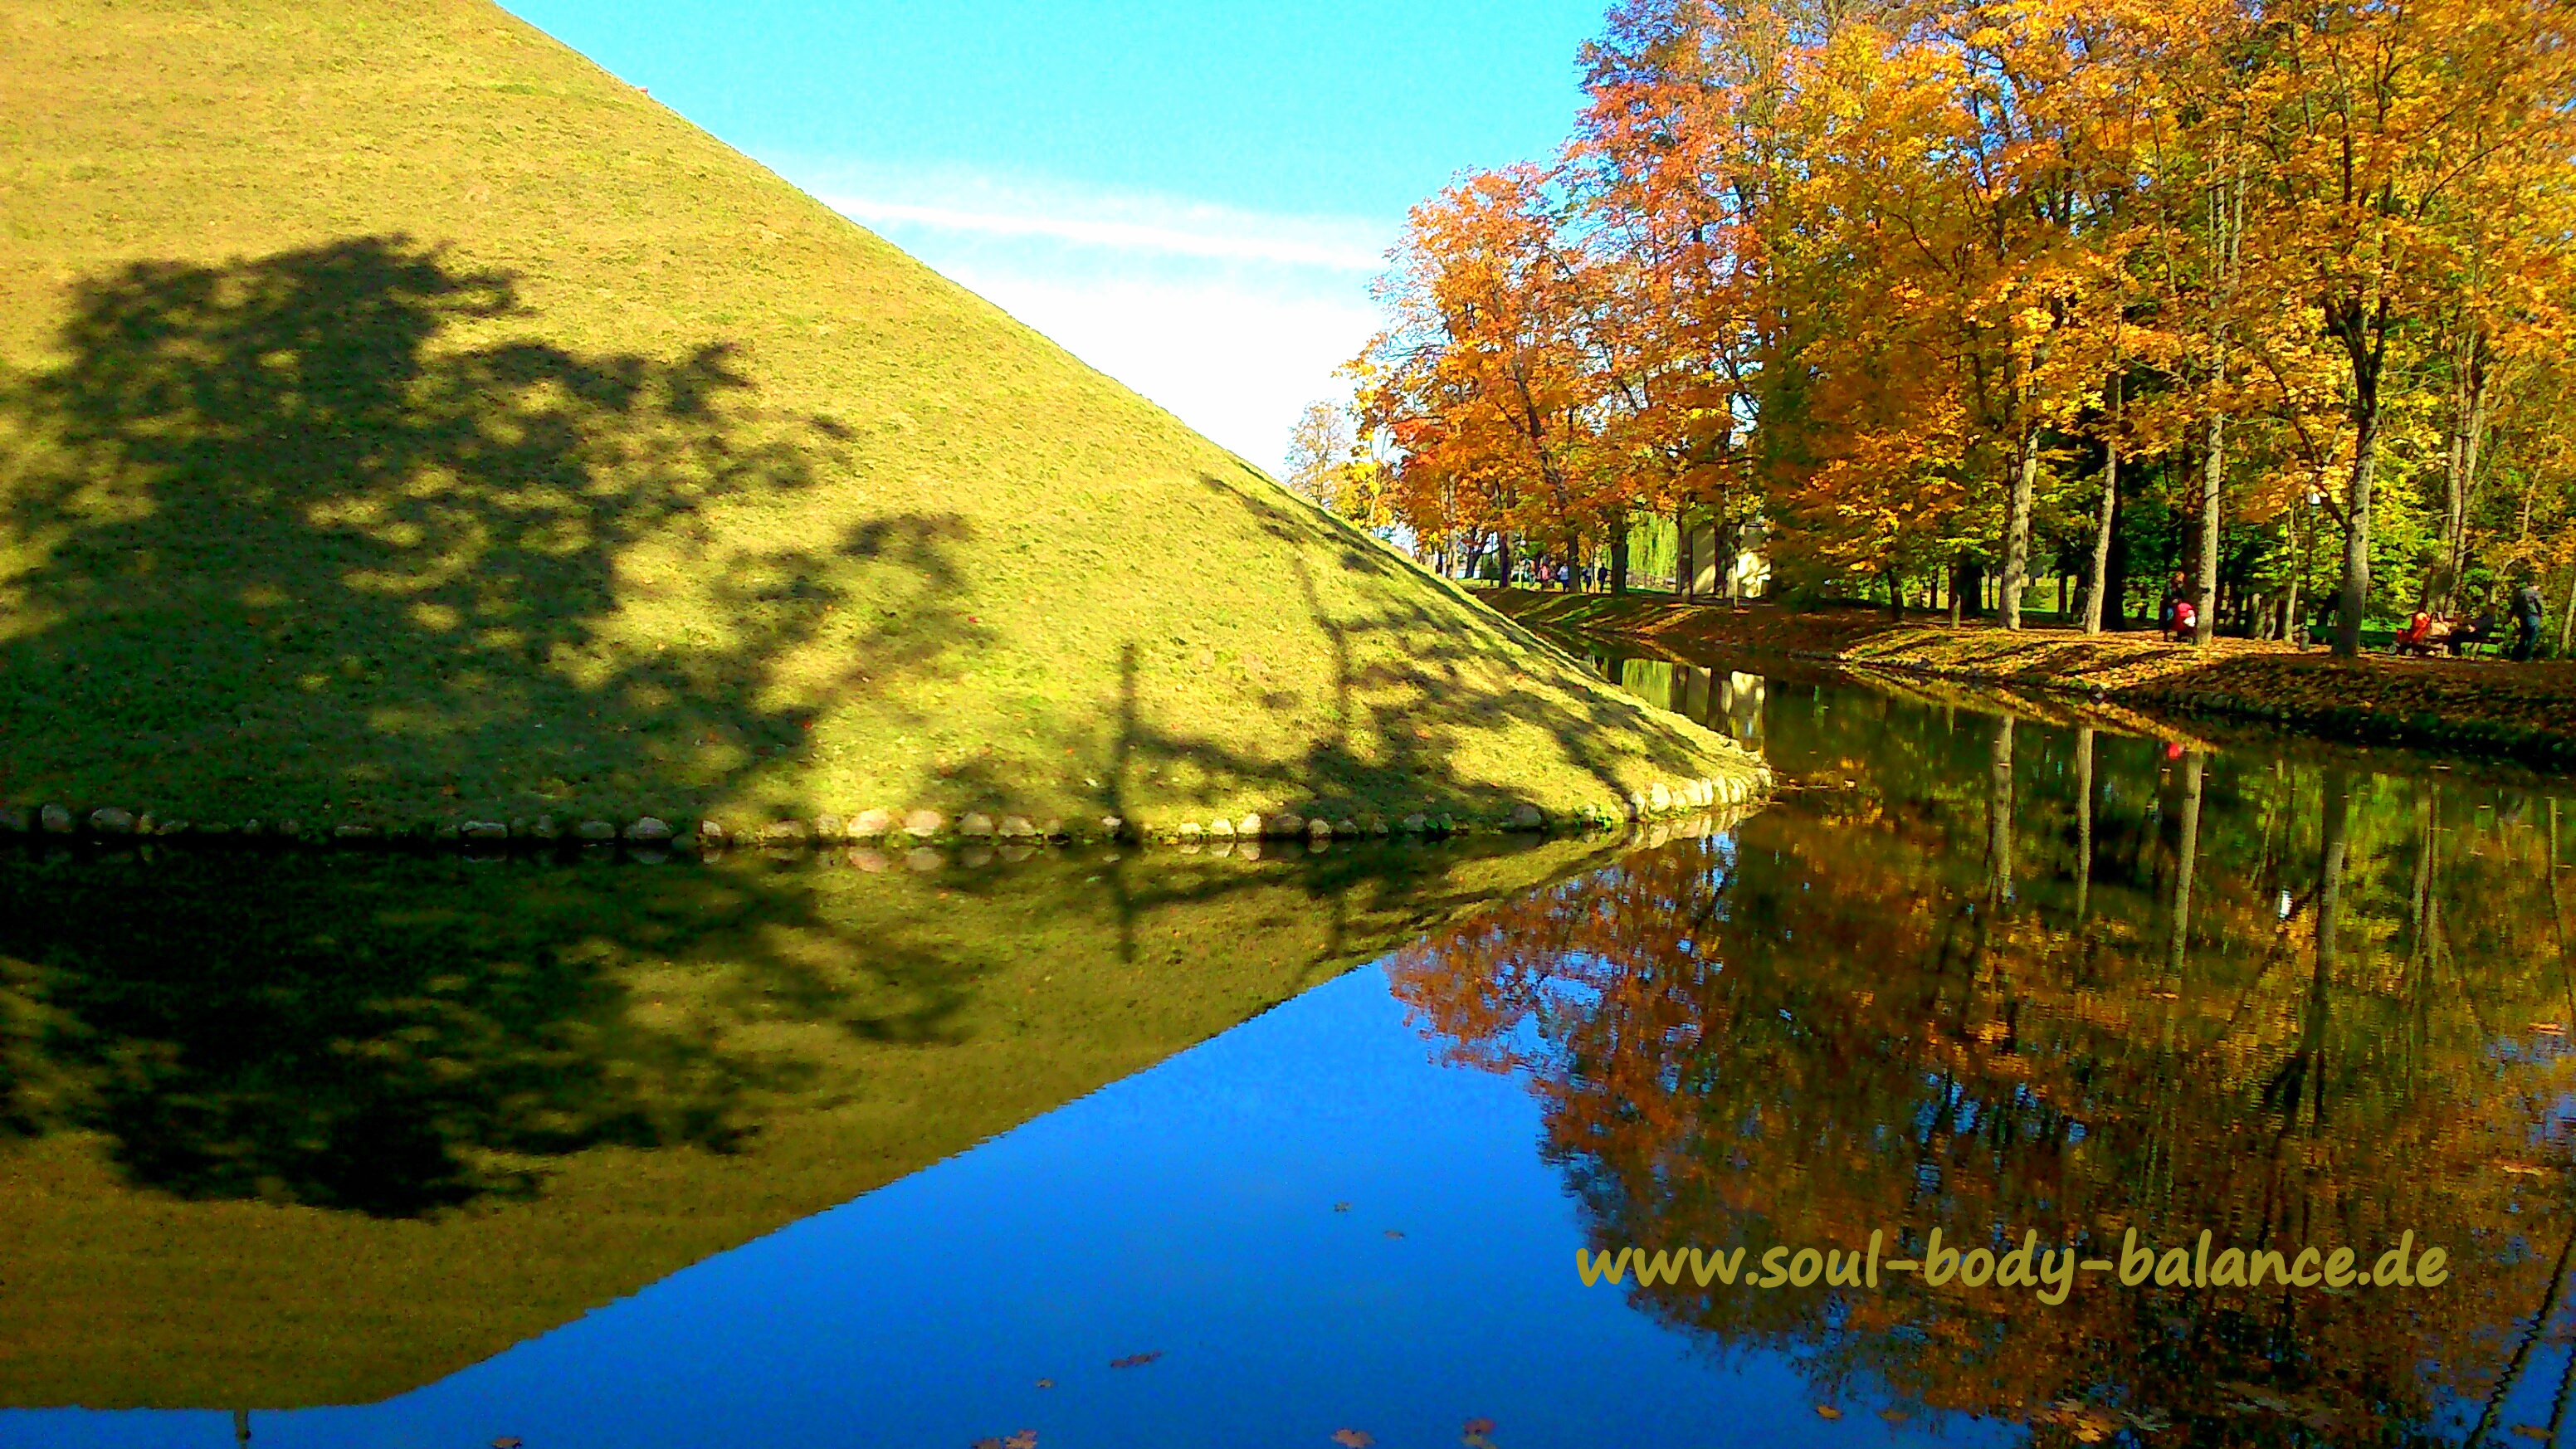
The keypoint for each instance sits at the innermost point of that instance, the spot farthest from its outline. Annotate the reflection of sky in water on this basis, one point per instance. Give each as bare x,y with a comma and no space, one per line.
1188,1211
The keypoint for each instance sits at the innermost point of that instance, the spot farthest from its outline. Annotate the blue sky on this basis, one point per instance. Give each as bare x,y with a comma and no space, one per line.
1191,197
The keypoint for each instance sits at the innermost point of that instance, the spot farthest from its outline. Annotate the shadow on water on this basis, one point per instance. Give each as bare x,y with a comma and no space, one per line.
2000,977
287,520
577,1075
396,1034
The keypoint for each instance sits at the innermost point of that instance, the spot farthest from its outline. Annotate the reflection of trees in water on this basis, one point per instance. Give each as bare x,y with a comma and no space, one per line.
2290,1005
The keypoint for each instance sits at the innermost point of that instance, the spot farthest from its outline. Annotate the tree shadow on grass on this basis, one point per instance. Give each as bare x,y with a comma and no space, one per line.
326,533
304,534
1393,662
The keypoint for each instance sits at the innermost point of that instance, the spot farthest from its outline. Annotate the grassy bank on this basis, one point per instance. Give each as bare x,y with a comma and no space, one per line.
2527,711
402,419
323,1128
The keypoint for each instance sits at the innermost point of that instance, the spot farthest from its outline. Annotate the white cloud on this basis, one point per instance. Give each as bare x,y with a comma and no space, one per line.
1236,363
1233,320
1233,237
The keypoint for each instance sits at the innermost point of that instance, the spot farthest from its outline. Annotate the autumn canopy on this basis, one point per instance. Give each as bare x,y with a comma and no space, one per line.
2272,295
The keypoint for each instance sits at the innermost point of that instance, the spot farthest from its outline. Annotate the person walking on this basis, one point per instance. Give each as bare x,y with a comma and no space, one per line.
2526,619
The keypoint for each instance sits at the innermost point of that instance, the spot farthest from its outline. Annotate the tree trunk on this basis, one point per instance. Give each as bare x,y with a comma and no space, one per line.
1682,570
1503,547
2303,542
2460,467
2017,530
2205,587
2355,593
2364,335
1619,554
2110,504
2567,619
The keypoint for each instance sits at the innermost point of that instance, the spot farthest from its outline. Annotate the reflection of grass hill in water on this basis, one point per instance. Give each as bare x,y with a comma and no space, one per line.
401,417
390,1116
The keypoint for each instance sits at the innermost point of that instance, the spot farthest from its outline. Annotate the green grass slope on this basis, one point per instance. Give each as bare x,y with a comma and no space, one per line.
403,419
320,1128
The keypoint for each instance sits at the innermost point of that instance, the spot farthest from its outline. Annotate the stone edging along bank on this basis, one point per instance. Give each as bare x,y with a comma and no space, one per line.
924,826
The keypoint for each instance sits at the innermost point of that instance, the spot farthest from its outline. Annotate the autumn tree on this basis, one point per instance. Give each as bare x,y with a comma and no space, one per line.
2391,137
1319,452
1890,275
1481,377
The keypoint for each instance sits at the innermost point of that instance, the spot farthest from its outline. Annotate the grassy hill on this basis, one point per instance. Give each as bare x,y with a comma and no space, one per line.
320,1128
403,419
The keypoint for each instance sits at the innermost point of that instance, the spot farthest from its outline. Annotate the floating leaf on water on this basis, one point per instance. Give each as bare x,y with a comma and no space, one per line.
1894,1416
506,1441
1352,1439
1046,1383
2523,1169
2531,1431
1341,1207
1136,1360
1025,1439
2552,1028
1478,1426
1828,1411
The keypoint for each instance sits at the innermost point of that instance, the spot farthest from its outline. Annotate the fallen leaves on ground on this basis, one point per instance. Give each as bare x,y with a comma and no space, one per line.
1136,1360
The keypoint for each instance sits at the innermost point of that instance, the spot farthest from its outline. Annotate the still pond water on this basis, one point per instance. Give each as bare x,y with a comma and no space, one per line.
364,1151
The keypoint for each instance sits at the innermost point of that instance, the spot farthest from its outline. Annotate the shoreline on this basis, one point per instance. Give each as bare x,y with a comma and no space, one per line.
2525,712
